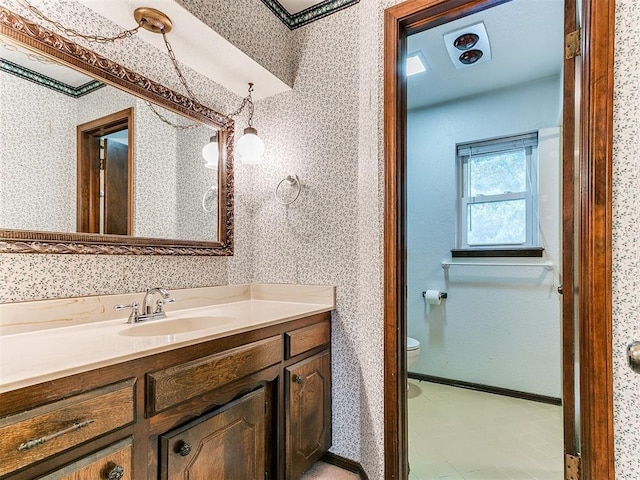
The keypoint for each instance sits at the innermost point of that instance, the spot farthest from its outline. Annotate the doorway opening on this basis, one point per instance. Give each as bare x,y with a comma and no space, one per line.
105,175
483,150
593,455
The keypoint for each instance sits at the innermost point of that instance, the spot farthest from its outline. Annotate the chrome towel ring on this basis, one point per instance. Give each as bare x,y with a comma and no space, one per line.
208,197
293,182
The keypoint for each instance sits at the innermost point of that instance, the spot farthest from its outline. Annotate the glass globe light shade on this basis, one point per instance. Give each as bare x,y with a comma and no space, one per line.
250,147
211,153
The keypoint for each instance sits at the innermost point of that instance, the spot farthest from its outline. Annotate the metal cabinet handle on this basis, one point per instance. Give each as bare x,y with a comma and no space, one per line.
183,448
28,445
116,473
298,379
633,356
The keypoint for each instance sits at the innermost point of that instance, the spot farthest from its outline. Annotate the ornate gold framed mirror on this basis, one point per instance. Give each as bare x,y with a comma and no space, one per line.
51,202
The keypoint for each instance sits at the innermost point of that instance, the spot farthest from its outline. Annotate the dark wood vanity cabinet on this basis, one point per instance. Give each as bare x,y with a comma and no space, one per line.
112,463
255,405
227,444
308,413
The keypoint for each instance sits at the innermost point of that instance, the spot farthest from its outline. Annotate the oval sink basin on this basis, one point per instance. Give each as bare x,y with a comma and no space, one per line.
175,326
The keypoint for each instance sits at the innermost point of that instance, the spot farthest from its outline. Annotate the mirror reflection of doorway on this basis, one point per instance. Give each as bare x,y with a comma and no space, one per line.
105,175
483,224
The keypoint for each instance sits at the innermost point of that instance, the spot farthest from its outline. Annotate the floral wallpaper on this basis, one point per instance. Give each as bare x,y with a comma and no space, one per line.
250,26
626,238
37,178
328,131
312,132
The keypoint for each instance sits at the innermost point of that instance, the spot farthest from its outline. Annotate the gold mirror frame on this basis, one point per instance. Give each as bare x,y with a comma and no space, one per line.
36,37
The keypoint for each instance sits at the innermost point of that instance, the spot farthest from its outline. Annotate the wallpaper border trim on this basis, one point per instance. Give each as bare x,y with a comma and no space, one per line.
311,14
48,82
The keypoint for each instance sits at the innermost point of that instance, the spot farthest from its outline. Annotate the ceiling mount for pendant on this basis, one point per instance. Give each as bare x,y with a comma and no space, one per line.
152,20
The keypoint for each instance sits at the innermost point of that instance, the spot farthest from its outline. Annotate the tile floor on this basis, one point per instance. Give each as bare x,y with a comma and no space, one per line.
459,434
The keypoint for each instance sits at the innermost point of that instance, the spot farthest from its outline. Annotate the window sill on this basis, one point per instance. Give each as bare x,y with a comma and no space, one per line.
497,252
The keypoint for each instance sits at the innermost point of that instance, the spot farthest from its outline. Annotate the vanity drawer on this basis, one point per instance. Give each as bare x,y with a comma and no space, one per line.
177,384
113,462
304,339
44,431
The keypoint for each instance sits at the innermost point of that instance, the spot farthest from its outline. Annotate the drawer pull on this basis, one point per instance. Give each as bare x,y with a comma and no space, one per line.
298,379
184,448
116,473
39,441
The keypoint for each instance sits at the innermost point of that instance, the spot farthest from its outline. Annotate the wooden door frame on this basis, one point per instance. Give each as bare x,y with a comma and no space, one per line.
593,209
85,133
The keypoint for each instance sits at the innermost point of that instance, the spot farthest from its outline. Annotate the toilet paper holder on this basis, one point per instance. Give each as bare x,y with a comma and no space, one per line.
442,294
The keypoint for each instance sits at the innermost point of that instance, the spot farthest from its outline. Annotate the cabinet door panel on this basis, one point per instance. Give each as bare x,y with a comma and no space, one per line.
112,463
228,444
308,416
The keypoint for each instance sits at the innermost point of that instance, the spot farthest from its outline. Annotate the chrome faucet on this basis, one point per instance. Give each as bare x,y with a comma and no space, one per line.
147,312
148,297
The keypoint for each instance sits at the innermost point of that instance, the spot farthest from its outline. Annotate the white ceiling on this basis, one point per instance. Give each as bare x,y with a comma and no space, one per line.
295,6
19,55
196,45
527,43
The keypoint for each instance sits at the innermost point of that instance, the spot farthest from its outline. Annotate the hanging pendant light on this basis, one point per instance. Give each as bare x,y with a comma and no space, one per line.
211,153
250,147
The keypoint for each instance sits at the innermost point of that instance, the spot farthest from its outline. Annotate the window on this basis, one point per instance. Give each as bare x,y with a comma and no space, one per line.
498,192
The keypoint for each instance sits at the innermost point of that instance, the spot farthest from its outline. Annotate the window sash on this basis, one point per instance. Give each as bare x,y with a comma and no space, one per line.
530,195
465,202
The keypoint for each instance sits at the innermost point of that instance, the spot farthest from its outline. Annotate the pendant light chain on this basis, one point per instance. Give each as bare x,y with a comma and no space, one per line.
174,61
120,36
246,101
169,122
75,33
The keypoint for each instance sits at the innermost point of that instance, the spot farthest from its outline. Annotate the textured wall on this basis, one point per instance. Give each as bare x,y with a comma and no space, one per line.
352,145
156,175
193,181
327,130
37,169
312,132
626,237
250,26
494,317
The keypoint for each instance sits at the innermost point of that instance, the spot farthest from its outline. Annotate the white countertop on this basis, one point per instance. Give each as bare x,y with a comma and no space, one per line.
34,356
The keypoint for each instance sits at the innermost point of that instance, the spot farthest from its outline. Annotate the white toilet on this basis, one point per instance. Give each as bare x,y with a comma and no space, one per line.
413,350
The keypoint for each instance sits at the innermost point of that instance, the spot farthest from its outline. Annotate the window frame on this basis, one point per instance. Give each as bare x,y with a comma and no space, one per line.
464,152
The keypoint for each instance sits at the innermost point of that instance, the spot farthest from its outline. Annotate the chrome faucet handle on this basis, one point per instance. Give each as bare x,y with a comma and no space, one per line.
135,313
160,303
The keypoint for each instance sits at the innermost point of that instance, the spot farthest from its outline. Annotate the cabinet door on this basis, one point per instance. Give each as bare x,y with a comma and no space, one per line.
308,413
112,463
228,444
